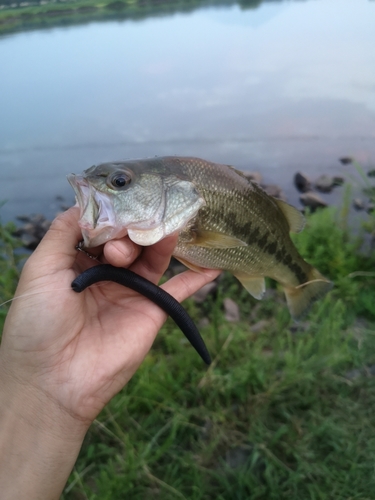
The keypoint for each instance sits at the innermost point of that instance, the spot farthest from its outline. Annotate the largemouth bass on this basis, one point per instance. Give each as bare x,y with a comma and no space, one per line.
224,221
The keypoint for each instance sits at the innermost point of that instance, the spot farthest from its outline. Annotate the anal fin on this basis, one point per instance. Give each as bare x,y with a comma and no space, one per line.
255,285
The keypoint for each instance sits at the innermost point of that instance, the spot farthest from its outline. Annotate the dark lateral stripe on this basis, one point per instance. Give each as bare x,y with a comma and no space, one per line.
280,254
253,236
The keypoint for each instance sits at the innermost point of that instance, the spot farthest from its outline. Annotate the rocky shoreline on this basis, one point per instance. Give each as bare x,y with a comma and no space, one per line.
34,226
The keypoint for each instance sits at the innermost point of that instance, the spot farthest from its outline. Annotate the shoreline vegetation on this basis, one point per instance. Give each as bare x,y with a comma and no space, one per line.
285,411
16,16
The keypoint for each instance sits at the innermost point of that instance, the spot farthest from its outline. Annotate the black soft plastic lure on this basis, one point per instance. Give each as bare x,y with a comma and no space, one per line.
164,300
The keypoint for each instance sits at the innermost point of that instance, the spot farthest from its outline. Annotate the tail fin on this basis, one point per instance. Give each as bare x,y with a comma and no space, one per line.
301,297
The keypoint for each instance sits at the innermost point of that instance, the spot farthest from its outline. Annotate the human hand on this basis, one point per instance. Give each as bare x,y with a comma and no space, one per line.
79,350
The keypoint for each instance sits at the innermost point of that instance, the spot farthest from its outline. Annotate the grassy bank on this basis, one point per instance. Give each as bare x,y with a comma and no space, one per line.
284,412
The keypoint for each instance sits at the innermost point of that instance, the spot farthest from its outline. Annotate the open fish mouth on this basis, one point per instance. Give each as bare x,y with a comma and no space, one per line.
97,216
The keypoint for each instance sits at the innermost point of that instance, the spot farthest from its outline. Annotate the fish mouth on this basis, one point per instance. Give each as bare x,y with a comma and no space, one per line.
97,216
81,189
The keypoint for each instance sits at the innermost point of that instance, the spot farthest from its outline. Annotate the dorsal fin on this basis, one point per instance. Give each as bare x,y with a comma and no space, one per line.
295,218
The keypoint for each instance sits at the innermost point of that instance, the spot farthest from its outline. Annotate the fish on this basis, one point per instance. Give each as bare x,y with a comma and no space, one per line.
224,221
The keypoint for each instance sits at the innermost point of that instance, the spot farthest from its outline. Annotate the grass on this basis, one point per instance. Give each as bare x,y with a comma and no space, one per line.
369,191
284,412
10,261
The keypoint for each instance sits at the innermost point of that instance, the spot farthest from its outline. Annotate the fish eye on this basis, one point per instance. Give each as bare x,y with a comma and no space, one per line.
119,180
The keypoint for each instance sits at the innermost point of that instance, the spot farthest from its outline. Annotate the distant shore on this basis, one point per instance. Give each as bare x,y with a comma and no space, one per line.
43,14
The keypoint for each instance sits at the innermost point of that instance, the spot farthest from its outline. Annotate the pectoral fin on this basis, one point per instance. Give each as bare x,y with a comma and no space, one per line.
255,285
212,239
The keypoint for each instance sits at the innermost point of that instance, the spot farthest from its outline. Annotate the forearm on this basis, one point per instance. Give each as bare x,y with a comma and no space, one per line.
39,445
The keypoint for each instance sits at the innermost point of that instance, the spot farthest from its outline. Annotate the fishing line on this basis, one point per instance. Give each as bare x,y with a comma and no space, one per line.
318,280
29,294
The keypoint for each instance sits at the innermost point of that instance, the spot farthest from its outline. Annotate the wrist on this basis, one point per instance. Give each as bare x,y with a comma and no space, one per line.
39,442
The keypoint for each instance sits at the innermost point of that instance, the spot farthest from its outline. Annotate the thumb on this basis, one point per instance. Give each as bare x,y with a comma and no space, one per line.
57,248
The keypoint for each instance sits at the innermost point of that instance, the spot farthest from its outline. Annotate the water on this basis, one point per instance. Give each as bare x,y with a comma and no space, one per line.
287,86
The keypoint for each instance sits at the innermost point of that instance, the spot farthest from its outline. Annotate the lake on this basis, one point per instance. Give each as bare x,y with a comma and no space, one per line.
286,86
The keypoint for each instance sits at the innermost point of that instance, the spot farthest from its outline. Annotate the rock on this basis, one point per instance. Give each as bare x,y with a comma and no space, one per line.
353,374
29,241
203,323
300,327
338,180
267,352
23,218
312,200
231,310
371,173
37,219
368,371
260,325
358,204
254,176
33,230
275,191
302,182
237,457
324,183
202,294
346,160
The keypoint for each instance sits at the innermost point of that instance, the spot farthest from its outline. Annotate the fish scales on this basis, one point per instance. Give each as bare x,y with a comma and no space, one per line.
239,207
224,220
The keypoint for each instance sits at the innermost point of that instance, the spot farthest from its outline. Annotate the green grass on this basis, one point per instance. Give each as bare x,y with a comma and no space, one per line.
279,402
286,412
10,261
369,192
